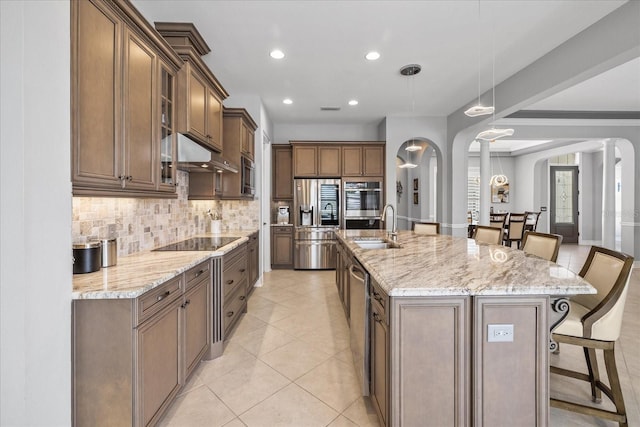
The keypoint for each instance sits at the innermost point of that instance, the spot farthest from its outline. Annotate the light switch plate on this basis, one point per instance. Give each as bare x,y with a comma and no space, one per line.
500,333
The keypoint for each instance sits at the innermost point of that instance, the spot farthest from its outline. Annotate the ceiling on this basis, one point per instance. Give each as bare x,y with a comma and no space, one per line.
325,43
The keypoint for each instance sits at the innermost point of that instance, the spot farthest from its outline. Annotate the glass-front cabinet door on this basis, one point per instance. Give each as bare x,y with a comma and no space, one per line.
167,130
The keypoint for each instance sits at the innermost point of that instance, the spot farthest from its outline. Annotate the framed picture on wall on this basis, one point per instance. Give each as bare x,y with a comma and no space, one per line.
415,184
415,197
500,193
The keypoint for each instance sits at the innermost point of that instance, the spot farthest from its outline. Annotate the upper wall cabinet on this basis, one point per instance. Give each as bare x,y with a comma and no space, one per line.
317,160
282,174
363,160
238,136
200,94
121,91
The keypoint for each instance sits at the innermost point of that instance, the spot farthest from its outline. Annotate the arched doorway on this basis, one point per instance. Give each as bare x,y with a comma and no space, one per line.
416,182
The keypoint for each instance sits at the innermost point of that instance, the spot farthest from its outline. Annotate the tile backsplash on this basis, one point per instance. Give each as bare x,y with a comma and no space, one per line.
144,224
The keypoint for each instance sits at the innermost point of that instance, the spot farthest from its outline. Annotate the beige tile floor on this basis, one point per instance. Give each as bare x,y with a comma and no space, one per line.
288,362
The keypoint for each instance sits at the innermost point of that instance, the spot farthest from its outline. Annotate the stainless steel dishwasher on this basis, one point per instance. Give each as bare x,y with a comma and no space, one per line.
359,315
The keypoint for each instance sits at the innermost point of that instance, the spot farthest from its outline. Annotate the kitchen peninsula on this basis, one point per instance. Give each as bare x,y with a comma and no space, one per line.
140,328
459,331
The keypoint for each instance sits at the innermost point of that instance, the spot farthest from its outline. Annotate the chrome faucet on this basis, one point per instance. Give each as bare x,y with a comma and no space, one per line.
383,218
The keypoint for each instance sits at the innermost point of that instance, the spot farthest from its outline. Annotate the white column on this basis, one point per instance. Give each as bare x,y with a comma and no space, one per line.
485,188
608,194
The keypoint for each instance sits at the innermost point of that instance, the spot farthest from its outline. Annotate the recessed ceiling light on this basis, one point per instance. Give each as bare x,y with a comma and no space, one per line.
277,54
372,56
287,101
353,102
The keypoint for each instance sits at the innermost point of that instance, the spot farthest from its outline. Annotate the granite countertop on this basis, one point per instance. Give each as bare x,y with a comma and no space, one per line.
444,265
138,273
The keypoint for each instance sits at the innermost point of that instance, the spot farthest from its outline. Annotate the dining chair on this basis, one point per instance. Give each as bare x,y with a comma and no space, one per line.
515,229
531,222
430,228
485,234
593,323
498,220
542,245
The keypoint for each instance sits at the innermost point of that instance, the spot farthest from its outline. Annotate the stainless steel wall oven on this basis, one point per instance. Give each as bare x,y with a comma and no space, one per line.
362,203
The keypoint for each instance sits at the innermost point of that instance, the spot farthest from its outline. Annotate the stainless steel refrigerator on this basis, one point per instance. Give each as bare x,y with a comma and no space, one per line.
316,215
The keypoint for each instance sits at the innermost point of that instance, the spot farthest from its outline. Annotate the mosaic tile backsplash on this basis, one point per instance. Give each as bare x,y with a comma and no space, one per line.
144,224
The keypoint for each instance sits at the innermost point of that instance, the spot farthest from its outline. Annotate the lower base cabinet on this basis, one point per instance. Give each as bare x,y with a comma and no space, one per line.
281,247
433,364
132,356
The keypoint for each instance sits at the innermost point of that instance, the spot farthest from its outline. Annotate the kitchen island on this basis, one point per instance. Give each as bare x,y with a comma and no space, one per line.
459,331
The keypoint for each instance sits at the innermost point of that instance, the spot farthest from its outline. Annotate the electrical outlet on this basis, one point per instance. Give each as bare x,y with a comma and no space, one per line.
500,333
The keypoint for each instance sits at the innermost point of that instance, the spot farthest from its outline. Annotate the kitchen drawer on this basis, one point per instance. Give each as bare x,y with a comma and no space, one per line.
379,300
283,230
156,299
234,306
233,275
197,274
236,254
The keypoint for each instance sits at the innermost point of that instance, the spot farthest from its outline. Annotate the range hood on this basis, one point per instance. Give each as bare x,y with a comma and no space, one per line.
193,157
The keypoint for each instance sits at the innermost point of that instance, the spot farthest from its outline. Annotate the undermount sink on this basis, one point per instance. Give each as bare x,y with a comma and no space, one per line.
375,244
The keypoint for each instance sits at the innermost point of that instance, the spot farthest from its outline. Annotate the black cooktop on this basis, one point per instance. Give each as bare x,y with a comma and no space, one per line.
199,244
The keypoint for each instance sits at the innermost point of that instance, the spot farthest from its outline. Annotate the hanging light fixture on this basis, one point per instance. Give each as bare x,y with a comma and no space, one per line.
479,109
493,133
413,146
411,70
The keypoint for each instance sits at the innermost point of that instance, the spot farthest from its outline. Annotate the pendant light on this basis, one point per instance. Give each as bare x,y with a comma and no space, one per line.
411,70
479,109
493,133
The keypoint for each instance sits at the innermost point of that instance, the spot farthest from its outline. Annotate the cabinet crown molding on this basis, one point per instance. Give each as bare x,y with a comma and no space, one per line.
239,113
183,34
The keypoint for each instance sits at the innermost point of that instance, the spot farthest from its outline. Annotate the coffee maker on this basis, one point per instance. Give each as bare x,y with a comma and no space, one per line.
283,214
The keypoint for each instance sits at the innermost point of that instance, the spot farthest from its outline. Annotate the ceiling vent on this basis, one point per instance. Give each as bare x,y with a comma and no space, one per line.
329,108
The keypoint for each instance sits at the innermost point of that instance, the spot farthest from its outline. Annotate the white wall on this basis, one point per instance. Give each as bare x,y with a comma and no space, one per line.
36,264
285,132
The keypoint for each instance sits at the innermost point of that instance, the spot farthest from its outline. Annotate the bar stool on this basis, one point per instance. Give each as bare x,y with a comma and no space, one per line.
429,228
593,323
491,235
542,245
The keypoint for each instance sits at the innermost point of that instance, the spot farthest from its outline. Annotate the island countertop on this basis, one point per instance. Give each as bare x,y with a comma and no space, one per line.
443,265
138,273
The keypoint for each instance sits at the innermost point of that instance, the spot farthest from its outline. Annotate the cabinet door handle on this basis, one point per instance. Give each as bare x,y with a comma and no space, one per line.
163,296
186,303
229,314
242,270
229,282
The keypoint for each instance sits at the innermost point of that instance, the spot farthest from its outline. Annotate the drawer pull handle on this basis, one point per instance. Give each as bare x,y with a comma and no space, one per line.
242,270
199,273
163,296
377,317
229,314
242,297
186,303
230,282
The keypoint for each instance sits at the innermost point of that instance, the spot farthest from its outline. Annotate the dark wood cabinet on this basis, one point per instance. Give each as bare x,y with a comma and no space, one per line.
132,356
363,160
316,160
282,173
281,247
234,283
116,91
200,94
379,354
239,129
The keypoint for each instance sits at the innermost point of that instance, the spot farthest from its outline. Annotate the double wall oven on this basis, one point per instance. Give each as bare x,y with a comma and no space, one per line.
363,203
